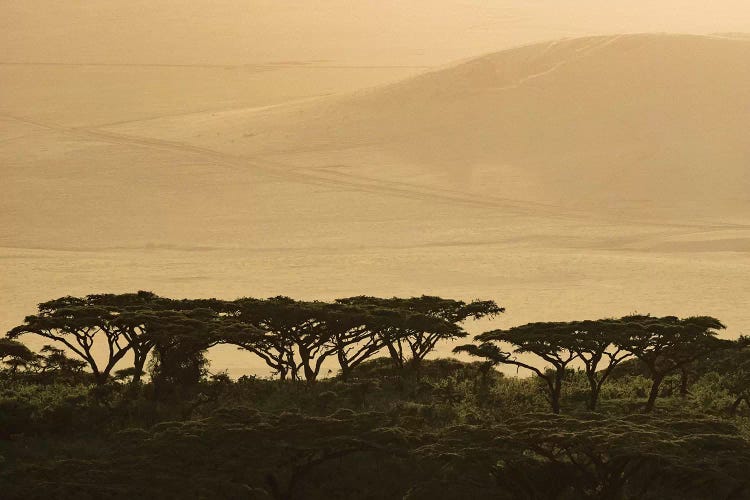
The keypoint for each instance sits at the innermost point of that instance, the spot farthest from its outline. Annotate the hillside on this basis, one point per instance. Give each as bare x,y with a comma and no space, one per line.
645,123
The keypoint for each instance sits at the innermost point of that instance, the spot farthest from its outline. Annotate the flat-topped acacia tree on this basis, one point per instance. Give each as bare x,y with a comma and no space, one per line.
668,344
146,319
599,347
355,332
123,322
289,335
180,339
427,320
133,316
77,323
175,332
664,345
549,341
295,338
593,342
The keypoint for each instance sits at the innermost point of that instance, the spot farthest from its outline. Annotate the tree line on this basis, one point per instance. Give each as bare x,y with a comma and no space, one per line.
295,338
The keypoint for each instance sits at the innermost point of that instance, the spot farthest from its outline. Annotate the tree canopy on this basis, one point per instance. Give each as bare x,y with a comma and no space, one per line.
664,345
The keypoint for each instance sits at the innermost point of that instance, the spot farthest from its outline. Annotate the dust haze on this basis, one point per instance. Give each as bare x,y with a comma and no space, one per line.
567,159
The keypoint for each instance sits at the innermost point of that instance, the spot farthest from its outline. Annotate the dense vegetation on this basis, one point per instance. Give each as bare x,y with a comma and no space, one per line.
121,403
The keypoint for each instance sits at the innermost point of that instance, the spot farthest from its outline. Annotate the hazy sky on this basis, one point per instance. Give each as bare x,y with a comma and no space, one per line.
343,31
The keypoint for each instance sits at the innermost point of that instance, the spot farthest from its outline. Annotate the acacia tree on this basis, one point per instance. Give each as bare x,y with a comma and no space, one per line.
355,332
144,320
52,359
180,340
733,367
597,344
125,323
17,354
666,345
290,336
737,381
134,315
77,323
178,333
426,320
267,345
594,343
549,341
295,338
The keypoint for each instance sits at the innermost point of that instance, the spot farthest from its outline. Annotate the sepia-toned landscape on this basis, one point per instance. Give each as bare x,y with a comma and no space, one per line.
567,160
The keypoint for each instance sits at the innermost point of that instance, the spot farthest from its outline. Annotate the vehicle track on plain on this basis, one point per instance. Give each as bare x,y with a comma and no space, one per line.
283,172
280,171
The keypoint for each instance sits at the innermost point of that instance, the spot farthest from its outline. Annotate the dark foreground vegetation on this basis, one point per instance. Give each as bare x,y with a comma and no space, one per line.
121,404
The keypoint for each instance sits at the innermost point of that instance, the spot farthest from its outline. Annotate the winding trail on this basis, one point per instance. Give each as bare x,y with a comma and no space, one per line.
284,172
331,176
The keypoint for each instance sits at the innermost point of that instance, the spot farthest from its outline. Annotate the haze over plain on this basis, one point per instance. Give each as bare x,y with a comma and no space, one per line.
330,149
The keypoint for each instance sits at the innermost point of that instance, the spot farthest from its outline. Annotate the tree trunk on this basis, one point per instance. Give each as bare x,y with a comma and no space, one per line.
395,356
555,402
306,362
416,366
555,393
593,392
684,376
594,397
138,364
310,374
483,391
101,377
654,393
344,365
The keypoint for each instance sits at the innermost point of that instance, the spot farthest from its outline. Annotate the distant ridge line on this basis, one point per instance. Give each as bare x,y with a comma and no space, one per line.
283,64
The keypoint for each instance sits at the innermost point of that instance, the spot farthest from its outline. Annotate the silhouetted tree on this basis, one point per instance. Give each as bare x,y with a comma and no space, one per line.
289,335
733,366
428,320
737,381
295,337
180,340
129,322
131,316
551,342
598,346
667,344
15,354
355,332
592,342
54,360
77,324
